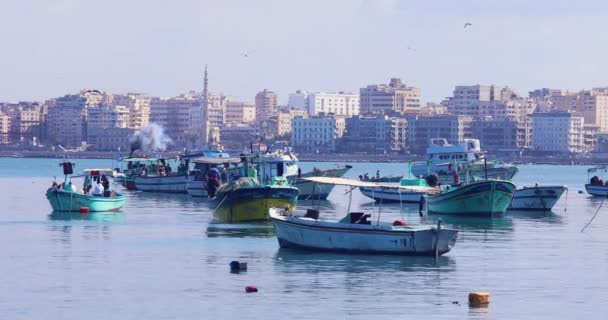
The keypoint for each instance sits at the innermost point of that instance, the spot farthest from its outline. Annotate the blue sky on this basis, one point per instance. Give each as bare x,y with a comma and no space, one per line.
50,48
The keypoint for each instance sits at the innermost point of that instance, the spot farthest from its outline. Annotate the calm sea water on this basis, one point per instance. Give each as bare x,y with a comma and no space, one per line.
164,257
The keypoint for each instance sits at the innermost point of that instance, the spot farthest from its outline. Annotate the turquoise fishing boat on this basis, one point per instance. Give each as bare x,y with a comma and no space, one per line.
487,198
66,197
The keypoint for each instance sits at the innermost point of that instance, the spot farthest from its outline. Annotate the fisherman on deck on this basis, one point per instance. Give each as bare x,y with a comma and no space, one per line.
213,181
98,189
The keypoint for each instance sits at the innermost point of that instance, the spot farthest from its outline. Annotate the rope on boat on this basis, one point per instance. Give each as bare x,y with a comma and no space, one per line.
226,196
566,204
594,215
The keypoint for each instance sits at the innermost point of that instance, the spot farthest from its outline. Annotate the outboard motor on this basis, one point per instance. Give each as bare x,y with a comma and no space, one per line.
432,180
68,167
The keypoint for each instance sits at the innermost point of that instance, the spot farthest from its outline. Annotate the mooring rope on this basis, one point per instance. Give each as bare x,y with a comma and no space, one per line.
592,218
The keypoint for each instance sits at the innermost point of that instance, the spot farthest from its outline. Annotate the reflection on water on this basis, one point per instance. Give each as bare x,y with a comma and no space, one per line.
545,216
257,230
94,216
308,261
501,224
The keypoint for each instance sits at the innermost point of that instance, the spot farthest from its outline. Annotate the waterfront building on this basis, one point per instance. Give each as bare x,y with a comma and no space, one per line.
316,134
5,128
239,135
398,135
265,104
601,144
558,132
65,121
340,104
394,97
110,139
467,99
368,134
497,135
239,112
26,120
421,129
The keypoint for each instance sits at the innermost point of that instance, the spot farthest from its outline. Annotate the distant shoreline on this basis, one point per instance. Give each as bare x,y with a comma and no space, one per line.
334,157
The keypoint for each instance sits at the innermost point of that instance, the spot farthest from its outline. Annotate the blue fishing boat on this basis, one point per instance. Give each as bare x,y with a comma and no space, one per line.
67,197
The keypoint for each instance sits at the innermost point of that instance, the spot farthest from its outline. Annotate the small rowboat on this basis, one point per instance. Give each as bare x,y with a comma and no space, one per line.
68,198
355,233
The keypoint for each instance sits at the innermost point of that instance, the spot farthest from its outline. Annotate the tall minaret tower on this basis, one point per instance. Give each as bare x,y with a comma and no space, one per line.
205,120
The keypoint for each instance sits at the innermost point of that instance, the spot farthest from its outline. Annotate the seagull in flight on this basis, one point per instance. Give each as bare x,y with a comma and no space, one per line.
246,54
468,24
410,48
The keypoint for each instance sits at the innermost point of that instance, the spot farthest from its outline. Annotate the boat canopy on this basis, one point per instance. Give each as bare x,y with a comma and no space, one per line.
100,172
596,169
367,184
138,159
216,160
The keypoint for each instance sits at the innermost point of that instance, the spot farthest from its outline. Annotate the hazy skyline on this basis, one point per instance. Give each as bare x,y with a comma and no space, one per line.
51,48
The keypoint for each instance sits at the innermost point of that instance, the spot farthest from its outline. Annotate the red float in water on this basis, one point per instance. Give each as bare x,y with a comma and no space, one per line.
84,210
250,289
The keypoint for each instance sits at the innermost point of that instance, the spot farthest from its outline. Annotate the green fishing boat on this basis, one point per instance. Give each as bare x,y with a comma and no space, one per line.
488,198
67,197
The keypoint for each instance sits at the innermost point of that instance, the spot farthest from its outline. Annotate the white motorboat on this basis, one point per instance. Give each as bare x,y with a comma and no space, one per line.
537,198
356,233
445,159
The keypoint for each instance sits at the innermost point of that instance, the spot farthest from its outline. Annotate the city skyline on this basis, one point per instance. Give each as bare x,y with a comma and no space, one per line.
161,48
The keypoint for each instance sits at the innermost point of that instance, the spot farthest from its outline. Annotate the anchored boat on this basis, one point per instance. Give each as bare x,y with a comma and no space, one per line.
399,194
66,197
487,198
537,198
309,190
596,185
356,233
444,158
247,200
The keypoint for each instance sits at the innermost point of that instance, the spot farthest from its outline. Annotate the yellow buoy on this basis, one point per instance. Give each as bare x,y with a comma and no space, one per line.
479,299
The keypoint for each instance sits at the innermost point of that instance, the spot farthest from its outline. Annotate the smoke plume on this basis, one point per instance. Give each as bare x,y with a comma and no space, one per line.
150,138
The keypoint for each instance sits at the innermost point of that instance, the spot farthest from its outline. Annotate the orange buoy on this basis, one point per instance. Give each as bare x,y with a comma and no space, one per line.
479,299
250,289
84,210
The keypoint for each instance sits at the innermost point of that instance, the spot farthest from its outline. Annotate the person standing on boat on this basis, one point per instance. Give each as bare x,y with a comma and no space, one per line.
98,189
106,185
213,181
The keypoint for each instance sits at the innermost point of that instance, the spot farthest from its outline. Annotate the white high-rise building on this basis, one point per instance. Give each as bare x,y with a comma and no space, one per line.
560,132
340,104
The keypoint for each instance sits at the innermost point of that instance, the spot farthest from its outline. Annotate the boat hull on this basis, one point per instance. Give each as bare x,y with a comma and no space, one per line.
392,195
314,191
489,198
595,190
251,204
317,235
503,173
541,198
63,201
164,184
197,188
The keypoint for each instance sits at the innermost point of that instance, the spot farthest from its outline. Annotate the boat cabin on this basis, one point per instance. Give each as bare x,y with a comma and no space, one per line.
440,150
276,165
233,168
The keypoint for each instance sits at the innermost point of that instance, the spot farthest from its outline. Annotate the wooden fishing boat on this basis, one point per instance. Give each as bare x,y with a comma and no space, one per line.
400,195
246,200
487,198
537,198
68,198
356,233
